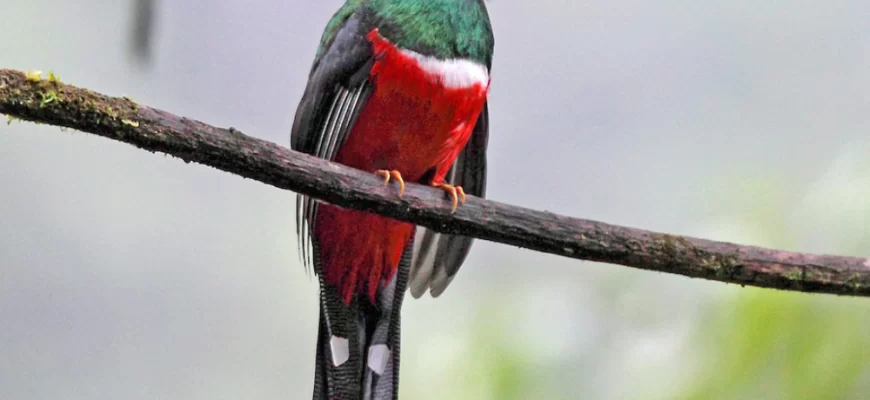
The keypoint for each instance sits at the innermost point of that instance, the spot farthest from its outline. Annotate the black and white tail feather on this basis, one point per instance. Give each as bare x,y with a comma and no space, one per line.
358,345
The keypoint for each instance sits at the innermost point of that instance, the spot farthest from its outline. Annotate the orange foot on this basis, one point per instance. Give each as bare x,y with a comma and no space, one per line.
455,192
392,174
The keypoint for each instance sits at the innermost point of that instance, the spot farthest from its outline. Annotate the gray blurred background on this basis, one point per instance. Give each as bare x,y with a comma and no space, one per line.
131,275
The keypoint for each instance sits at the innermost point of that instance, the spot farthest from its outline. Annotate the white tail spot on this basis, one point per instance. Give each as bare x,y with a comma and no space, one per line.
340,350
379,354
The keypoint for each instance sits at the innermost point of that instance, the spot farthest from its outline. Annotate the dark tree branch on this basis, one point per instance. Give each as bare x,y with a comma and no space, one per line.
48,101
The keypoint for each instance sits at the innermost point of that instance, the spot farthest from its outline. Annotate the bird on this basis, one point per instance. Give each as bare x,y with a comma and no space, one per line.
399,89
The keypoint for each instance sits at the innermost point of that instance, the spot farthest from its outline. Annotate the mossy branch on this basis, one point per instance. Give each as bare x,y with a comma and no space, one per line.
48,101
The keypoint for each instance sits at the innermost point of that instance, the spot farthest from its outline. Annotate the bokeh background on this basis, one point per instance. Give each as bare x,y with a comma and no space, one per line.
131,275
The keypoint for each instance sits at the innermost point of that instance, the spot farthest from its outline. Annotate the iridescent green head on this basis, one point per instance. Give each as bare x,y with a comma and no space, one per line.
440,28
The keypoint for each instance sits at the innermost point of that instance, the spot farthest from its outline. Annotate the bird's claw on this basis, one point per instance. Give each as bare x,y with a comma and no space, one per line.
455,192
392,174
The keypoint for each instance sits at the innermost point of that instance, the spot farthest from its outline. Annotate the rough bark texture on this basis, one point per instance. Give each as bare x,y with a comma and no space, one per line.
47,101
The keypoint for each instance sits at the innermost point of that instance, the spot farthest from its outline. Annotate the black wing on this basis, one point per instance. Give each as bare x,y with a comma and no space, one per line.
338,88
437,257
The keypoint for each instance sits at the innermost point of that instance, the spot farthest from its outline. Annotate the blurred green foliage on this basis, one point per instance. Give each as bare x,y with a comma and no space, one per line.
767,344
764,344
744,343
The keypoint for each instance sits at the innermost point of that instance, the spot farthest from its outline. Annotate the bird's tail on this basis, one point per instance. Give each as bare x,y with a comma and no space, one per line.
358,344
